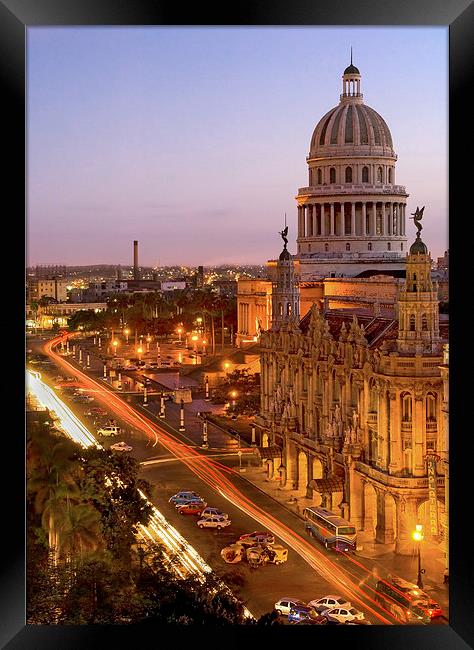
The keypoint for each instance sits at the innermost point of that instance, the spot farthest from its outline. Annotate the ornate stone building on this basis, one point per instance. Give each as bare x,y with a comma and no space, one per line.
353,410
351,216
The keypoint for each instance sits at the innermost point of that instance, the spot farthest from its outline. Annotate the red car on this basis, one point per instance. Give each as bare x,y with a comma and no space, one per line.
258,537
96,411
191,508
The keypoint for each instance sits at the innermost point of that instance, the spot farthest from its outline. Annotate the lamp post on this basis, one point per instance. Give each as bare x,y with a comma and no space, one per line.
204,343
126,332
67,346
80,355
139,352
115,343
207,389
105,370
100,343
148,339
73,350
119,384
162,406
181,417
145,401
418,537
253,435
205,443
95,340
194,339
179,330
88,361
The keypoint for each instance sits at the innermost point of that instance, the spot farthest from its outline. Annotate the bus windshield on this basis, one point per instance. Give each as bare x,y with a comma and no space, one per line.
346,530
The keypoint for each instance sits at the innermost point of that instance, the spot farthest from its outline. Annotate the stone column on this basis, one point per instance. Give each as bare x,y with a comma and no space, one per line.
390,222
373,226
384,533
309,219
309,470
353,219
419,465
402,220
407,515
382,428
395,433
299,222
384,219
396,226
323,220
364,220
332,224
343,219
303,220
356,499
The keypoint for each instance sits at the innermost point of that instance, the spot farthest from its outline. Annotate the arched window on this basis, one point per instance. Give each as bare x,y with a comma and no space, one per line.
280,309
406,407
320,177
348,174
412,322
390,175
326,247
288,309
431,407
348,247
369,246
424,322
401,246
379,175
332,175
365,174
389,246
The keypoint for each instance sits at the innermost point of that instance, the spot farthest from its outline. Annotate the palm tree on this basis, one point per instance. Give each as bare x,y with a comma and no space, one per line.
81,531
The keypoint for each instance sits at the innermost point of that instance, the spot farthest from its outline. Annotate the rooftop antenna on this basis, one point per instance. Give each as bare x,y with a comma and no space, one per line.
351,54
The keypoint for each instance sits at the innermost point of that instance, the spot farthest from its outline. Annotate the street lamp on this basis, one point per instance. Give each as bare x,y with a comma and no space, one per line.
115,343
126,332
418,537
179,330
194,338
226,365
148,339
204,343
139,352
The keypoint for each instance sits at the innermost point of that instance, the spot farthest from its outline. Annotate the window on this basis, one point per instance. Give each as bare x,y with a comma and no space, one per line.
280,309
412,323
288,309
320,177
332,175
369,246
390,175
379,175
406,407
389,246
401,246
348,174
431,407
348,247
326,247
424,322
365,174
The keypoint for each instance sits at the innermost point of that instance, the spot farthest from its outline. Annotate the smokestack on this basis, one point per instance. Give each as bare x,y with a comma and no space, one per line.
136,274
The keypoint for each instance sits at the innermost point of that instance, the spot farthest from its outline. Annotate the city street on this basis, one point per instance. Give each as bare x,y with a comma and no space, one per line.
174,461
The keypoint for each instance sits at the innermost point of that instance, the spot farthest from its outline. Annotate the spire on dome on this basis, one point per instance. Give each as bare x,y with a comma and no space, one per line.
351,81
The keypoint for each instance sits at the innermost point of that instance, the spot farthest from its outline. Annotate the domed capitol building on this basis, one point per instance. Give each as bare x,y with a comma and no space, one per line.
351,217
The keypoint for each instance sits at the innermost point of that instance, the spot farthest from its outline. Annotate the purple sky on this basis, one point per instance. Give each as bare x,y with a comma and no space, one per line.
194,140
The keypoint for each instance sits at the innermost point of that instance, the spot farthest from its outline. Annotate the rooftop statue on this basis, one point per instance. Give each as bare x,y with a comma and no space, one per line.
283,234
417,216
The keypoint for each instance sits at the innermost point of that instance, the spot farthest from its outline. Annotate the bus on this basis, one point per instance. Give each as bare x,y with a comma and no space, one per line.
333,531
406,601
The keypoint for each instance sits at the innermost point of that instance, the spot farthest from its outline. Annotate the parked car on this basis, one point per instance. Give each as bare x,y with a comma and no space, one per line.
328,602
183,497
190,508
109,431
258,537
213,522
131,366
82,398
285,604
214,512
96,410
344,614
121,446
319,620
302,613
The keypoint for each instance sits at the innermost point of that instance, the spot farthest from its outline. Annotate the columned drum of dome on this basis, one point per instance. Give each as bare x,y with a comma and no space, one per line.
352,214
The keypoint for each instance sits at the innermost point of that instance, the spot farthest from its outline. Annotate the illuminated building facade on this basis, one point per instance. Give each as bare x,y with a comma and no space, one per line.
355,408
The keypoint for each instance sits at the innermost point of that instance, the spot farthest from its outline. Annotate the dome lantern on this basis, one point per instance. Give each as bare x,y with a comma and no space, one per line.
351,83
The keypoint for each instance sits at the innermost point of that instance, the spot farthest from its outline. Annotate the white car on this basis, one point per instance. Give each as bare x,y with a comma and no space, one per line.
213,522
344,614
214,512
328,602
121,446
131,366
283,606
108,431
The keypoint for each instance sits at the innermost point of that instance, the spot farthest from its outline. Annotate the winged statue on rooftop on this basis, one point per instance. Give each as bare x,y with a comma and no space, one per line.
284,234
417,216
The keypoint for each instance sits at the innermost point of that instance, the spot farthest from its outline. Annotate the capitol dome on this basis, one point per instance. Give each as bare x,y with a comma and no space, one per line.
352,127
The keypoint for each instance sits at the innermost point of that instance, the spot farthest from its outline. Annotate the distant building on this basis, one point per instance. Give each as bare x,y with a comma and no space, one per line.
98,290
173,285
226,287
47,288
443,262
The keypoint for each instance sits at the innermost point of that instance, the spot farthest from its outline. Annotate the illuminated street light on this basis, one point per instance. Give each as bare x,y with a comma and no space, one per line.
418,537
126,332
194,339
139,352
204,343
115,343
179,330
148,339
226,365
